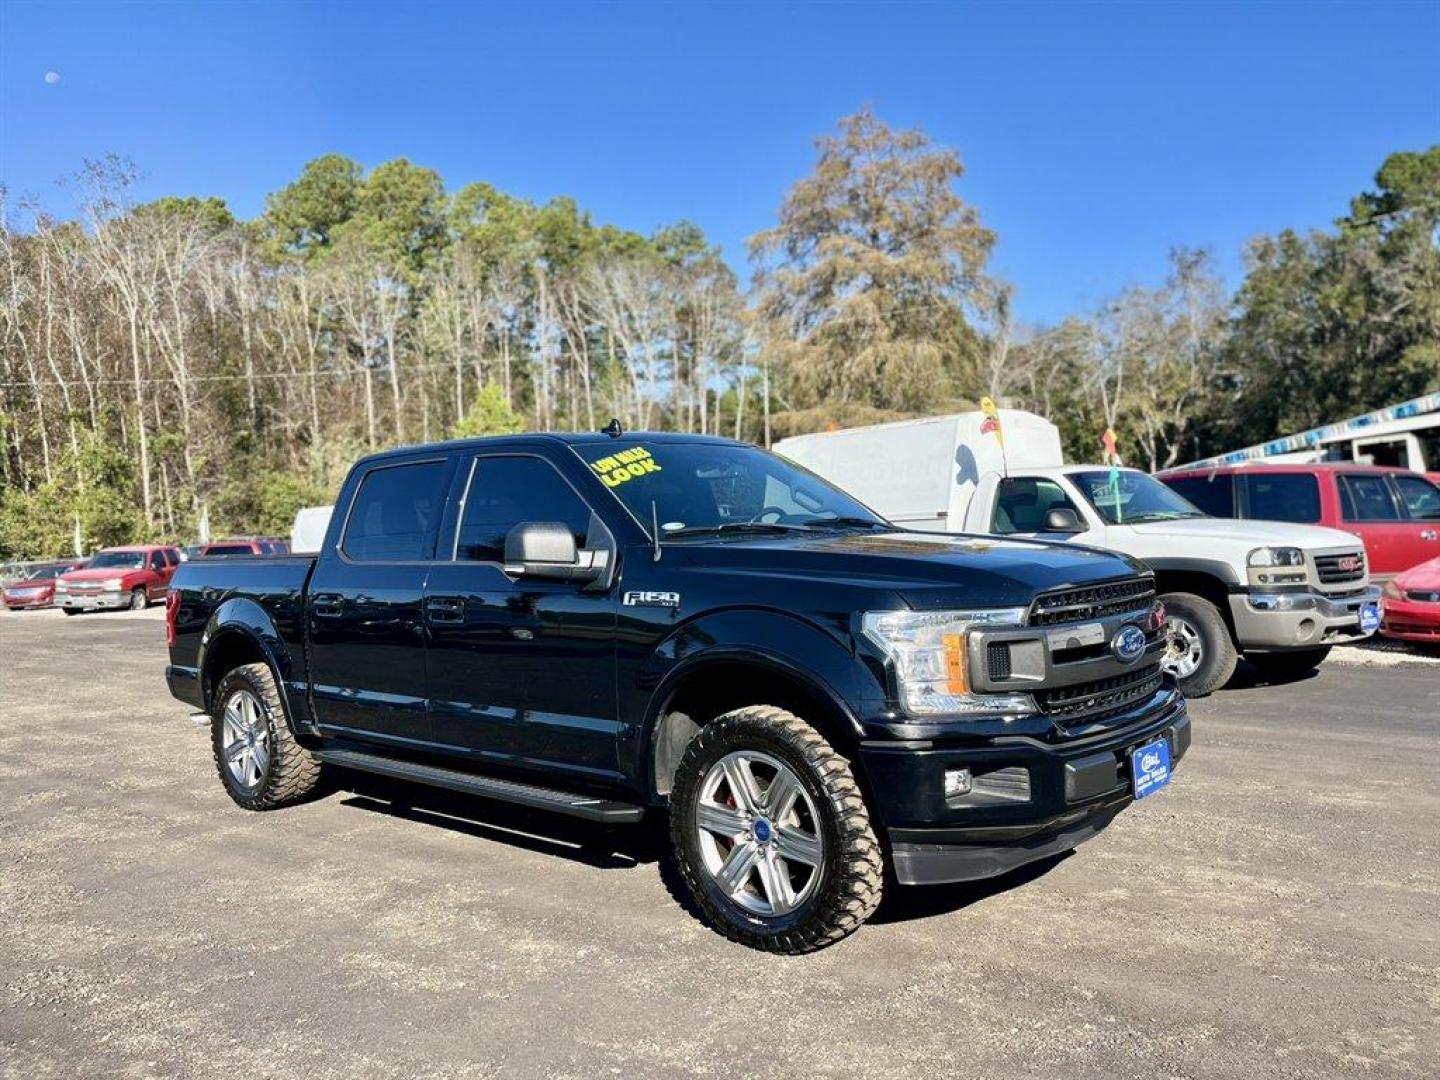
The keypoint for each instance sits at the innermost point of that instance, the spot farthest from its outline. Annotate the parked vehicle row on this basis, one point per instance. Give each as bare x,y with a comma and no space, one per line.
34,587
1280,594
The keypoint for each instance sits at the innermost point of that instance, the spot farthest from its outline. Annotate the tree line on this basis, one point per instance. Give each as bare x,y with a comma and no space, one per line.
164,363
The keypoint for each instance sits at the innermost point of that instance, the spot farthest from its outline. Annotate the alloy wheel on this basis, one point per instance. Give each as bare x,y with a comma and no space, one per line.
759,833
1184,647
246,739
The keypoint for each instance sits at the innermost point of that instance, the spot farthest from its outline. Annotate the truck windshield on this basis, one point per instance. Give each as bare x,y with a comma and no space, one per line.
710,487
1123,497
118,560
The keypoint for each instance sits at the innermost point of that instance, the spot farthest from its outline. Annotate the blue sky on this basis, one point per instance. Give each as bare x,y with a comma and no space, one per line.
1095,135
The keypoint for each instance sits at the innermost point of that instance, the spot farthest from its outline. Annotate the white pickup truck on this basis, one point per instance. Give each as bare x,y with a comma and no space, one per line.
1280,594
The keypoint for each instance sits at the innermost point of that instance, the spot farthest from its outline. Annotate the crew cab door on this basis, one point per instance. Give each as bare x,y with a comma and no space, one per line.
363,610
1374,510
161,565
521,670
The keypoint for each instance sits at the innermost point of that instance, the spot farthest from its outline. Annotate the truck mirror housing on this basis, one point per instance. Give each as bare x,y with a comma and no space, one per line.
1063,520
547,549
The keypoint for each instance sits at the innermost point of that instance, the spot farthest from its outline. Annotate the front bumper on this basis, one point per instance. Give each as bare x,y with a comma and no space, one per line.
102,601
1298,620
18,601
1075,788
1411,620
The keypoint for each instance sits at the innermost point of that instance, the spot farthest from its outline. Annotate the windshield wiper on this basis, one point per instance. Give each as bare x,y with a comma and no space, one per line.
848,521
738,526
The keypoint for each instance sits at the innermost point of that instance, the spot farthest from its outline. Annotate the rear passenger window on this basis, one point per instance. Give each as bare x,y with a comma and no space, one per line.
1366,498
503,492
395,513
1420,496
1213,494
1283,497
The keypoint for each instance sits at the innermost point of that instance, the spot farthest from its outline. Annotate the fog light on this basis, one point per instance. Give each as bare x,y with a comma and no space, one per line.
957,783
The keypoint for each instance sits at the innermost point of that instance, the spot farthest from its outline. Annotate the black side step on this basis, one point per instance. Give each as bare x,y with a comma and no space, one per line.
560,802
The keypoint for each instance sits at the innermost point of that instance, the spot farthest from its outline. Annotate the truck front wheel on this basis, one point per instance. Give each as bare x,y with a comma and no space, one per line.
772,833
1199,652
259,761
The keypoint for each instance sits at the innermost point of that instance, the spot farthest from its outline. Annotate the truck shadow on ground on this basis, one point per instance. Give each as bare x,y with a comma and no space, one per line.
623,847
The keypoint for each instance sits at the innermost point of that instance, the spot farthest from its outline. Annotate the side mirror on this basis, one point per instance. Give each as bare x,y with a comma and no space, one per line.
546,549
1063,520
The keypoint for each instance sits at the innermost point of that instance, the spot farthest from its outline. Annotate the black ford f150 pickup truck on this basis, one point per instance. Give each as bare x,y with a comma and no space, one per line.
605,624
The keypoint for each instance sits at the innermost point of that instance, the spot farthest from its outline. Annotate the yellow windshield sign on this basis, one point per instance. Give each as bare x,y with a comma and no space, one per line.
626,465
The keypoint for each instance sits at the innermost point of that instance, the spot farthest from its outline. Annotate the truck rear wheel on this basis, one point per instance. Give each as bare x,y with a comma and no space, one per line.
259,761
1289,665
1199,652
772,833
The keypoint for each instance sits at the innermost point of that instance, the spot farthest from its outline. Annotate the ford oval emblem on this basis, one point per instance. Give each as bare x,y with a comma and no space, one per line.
1128,644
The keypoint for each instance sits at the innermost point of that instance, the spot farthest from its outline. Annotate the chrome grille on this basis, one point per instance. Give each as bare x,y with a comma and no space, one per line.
1338,569
1101,698
1092,602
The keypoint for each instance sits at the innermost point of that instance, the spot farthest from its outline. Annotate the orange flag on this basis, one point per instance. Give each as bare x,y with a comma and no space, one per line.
991,421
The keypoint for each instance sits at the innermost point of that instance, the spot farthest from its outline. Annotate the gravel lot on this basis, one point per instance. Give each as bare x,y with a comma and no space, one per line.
1276,912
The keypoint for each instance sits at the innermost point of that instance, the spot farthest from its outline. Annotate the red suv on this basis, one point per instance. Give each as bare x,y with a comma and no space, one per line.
119,577
1396,512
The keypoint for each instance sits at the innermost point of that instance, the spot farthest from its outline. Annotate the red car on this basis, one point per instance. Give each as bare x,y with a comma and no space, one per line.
119,577
245,546
1396,512
1411,604
37,589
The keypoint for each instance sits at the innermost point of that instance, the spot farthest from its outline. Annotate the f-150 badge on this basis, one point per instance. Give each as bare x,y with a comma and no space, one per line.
652,599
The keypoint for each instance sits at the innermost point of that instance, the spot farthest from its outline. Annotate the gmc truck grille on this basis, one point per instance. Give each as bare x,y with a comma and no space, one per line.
1101,698
1338,569
1092,602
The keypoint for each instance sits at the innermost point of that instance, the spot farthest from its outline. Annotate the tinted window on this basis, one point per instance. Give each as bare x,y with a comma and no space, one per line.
228,549
157,560
1127,497
1213,494
697,486
1022,503
118,560
395,513
1420,496
1283,497
504,491
1366,498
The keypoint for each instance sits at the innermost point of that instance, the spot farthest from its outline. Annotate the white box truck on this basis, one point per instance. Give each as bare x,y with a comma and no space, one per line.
1281,594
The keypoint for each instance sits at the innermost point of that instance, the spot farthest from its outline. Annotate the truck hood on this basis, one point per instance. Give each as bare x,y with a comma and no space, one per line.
104,573
929,570
1245,531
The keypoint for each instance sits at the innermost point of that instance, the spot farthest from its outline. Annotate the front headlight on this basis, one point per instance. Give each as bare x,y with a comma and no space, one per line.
1393,591
930,655
60,586
1276,556
112,584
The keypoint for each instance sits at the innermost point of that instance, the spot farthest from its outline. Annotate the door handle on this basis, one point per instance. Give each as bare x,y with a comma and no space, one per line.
445,609
1428,534
327,605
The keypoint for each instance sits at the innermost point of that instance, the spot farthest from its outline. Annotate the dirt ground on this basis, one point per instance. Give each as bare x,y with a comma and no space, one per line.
1275,912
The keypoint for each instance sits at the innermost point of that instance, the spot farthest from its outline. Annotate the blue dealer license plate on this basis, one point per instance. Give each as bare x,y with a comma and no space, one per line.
1370,617
1150,767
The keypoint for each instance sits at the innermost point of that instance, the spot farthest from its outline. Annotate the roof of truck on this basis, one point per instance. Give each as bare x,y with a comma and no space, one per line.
563,438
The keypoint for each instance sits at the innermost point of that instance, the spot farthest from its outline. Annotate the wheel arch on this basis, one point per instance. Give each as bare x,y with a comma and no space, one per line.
723,679
1205,579
241,632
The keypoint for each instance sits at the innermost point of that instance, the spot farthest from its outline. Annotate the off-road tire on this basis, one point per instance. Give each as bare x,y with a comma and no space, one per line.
852,876
1285,666
1218,654
291,773
138,600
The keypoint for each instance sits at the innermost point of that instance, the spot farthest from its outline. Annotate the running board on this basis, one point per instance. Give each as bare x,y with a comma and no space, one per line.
560,802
